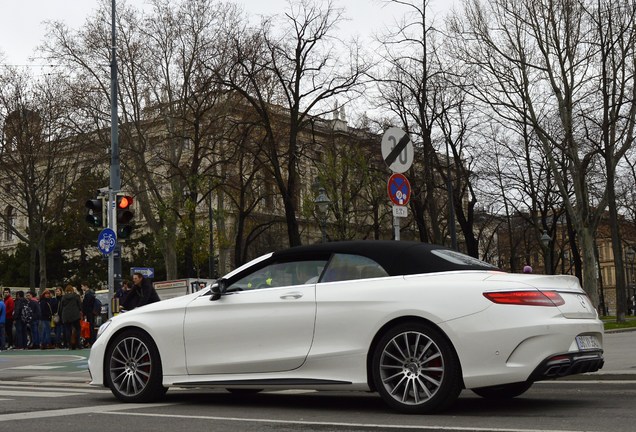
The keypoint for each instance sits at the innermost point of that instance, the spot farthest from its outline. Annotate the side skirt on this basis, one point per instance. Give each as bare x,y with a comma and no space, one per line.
282,382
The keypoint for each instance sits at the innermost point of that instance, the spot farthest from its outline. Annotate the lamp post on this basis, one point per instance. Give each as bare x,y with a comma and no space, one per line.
630,254
545,241
322,203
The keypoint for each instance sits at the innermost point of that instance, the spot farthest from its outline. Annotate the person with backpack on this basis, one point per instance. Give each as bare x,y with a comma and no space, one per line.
46,313
34,324
71,313
90,304
21,319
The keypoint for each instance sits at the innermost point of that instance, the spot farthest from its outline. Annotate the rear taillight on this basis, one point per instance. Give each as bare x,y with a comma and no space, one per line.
526,298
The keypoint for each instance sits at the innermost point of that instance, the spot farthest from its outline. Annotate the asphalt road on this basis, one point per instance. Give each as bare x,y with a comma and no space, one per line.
47,390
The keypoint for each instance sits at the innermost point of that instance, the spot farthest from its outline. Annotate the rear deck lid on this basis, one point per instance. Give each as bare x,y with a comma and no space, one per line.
576,303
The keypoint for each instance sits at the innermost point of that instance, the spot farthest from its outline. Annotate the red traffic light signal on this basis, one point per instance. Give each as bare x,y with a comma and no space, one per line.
125,215
124,201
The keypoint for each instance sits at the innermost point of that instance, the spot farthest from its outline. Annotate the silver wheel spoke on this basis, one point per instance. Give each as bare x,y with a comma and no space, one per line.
411,368
130,366
424,388
399,350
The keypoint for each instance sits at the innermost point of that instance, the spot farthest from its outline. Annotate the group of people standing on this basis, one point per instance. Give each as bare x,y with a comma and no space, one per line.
53,321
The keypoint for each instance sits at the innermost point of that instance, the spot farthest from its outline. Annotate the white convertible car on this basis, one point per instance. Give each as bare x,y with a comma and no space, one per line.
416,323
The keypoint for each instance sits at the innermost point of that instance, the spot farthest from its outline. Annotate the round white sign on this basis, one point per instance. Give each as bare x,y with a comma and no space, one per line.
397,150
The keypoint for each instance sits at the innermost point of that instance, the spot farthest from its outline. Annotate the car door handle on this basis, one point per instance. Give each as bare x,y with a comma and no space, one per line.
291,296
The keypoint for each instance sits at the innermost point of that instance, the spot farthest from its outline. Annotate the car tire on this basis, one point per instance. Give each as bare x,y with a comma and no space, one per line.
415,369
504,391
133,368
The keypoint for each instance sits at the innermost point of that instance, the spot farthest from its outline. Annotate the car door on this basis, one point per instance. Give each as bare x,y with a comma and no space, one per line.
263,323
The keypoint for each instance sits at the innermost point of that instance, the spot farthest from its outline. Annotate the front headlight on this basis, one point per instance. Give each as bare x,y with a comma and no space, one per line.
102,328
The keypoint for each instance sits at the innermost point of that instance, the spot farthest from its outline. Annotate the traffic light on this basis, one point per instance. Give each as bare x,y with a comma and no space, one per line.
125,216
96,212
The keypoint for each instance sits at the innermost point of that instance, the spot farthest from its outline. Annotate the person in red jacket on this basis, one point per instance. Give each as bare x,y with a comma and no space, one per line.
8,324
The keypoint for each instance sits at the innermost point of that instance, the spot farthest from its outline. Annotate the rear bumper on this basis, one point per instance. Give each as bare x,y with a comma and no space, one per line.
568,364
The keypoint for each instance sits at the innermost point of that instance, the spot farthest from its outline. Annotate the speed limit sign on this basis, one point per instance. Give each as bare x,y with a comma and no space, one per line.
397,150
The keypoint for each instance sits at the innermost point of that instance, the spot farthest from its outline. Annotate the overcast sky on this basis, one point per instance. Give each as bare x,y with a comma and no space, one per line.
22,28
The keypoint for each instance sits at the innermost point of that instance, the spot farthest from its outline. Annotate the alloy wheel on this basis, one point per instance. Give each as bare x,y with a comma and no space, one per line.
130,366
411,368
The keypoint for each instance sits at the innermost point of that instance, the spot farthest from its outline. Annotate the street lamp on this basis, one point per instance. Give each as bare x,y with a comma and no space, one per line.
545,241
322,203
630,254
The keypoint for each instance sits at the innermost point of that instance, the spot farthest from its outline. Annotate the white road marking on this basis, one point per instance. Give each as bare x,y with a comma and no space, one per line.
35,389
340,424
30,415
37,393
34,367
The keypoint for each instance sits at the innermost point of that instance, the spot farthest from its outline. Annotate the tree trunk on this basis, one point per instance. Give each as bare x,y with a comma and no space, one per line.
617,248
170,253
42,256
590,272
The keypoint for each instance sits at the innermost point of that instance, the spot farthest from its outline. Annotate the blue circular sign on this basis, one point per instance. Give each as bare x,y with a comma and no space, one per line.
106,241
399,189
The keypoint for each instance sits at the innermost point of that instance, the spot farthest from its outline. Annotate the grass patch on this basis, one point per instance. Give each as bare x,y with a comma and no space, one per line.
611,324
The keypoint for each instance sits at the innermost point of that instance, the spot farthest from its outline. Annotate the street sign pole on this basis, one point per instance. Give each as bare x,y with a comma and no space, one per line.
112,222
398,154
114,263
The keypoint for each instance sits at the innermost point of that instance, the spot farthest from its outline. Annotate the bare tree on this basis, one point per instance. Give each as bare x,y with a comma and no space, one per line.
287,71
171,111
39,160
411,85
352,175
539,62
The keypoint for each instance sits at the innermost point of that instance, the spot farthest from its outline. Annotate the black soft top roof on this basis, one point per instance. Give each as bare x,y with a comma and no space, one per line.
396,257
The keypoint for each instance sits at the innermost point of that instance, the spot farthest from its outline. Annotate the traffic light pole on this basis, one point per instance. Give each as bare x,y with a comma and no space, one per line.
114,258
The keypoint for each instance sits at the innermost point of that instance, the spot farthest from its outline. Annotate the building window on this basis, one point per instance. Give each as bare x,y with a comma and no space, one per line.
10,222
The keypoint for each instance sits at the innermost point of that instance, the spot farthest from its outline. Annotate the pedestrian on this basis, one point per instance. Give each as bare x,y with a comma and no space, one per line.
8,325
35,320
59,325
46,314
71,310
3,319
142,293
20,320
122,293
527,269
88,309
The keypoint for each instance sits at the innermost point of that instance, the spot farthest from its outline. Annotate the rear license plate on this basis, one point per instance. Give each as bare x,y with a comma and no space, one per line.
588,343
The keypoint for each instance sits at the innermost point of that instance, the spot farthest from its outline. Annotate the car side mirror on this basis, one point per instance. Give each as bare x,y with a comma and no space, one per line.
218,289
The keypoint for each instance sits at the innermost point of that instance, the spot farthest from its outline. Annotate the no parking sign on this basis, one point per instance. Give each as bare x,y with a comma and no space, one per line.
399,189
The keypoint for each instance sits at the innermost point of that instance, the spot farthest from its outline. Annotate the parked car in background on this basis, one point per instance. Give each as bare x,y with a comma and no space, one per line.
102,295
416,323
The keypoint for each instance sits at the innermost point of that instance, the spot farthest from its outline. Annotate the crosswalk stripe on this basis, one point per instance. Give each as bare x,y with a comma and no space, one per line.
37,393
36,389
35,367
30,415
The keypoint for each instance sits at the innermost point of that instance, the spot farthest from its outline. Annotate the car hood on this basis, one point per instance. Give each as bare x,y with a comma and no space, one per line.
171,303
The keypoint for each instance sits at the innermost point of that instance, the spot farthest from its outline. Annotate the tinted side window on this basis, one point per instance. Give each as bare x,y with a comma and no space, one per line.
280,274
344,267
